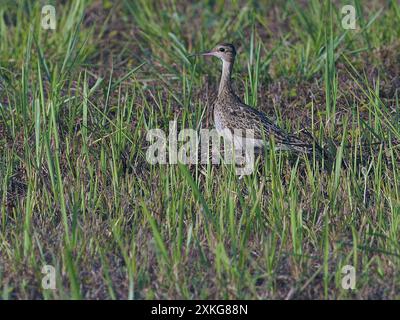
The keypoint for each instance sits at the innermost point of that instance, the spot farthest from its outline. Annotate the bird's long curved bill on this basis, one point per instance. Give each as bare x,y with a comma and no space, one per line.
201,54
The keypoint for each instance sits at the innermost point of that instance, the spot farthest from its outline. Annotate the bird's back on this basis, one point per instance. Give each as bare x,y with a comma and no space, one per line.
231,113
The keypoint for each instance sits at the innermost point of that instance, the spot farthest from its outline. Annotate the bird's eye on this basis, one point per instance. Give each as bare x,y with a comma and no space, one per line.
222,49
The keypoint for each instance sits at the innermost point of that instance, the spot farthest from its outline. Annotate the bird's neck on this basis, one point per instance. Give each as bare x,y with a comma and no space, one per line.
225,83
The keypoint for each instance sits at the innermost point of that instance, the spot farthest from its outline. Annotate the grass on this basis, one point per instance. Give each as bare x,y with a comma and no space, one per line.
77,193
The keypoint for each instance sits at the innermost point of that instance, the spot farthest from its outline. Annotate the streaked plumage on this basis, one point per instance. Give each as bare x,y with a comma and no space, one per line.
231,113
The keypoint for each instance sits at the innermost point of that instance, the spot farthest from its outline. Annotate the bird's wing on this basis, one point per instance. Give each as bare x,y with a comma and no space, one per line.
245,117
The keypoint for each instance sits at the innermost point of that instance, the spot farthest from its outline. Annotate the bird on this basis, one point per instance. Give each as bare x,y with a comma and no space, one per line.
232,115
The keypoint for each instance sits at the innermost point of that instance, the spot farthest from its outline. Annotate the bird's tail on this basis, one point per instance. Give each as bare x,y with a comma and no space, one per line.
306,146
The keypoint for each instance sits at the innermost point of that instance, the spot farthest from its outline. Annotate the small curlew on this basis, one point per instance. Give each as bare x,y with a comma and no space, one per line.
232,115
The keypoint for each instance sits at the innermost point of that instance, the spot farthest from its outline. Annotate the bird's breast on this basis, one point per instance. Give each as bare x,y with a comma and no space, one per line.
219,119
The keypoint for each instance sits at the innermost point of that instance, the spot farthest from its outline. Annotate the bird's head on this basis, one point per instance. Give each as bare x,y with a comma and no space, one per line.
224,51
